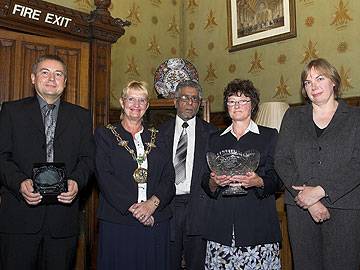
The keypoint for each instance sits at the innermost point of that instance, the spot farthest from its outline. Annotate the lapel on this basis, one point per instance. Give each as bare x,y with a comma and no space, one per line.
63,119
33,110
339,118
199,151
306,120
169,135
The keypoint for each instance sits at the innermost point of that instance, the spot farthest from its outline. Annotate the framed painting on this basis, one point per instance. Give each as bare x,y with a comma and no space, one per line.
256,22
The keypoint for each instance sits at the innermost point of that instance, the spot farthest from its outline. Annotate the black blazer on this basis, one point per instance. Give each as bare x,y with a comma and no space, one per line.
114,170
253,216
22,143
198,199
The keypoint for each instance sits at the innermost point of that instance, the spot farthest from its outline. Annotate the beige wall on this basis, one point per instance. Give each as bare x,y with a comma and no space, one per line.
136,55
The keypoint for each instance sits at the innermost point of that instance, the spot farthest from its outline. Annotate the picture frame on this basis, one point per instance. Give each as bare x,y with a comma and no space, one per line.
256,22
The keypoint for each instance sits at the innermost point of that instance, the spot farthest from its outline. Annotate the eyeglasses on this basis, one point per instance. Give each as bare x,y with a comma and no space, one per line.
132,100
241,102
187,99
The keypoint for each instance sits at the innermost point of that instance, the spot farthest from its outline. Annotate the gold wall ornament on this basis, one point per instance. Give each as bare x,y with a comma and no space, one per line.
309,21
154,47
281,59
211,74
134,15
211,45
132,68
156,3
256,65
192,5
210,21
342,47
345,79
192,52
84,4
133,40
341,16
173,28
282,89
232,68
310,52
307,2
191,26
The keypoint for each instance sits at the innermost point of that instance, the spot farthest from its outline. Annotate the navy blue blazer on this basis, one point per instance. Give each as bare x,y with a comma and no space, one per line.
22,143
114,170
198,198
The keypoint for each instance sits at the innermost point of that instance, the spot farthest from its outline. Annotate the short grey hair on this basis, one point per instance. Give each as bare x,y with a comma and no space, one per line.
188,83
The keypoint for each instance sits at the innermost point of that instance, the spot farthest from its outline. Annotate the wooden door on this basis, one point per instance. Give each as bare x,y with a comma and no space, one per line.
18,52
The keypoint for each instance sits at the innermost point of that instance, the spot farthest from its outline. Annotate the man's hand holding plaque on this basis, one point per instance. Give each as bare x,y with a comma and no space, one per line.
234,169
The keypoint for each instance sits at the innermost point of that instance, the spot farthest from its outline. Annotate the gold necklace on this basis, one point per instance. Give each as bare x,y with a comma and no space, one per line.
140,174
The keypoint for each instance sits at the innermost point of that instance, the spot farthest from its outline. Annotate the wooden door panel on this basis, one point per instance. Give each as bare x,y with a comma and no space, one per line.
7,71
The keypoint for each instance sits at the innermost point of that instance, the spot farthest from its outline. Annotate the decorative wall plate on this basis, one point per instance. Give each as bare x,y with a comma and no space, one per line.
170,73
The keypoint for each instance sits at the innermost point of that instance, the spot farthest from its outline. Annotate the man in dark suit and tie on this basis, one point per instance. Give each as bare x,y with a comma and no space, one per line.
42,129
187,136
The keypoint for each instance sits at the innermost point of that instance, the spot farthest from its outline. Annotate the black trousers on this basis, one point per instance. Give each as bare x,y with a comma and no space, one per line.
37,252
332,245
192,247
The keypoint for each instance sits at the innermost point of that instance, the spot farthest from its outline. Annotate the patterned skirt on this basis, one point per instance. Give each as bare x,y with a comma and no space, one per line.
260,257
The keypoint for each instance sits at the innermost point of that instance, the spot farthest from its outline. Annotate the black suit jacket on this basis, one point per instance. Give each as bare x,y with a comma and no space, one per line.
198,198
22,143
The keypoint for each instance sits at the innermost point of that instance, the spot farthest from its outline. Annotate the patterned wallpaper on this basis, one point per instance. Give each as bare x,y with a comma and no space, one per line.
197,30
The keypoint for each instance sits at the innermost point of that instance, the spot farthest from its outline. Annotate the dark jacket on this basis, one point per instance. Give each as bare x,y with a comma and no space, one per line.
22,143
252,216
198,199
114,170
331,160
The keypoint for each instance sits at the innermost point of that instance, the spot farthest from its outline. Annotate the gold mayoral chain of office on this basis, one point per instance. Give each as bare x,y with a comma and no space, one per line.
140,174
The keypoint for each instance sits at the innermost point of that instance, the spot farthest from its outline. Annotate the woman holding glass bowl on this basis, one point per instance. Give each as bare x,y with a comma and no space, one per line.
243,231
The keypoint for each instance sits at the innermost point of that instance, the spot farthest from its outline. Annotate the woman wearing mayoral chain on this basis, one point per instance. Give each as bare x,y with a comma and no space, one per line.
243,231
136,182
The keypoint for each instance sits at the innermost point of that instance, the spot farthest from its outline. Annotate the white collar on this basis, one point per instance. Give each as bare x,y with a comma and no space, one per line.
179,122
253,127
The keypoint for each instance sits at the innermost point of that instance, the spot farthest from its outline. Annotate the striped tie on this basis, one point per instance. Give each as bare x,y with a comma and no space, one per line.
180,156
49,123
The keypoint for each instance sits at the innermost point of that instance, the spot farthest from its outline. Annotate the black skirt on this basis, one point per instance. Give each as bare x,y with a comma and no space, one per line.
133,247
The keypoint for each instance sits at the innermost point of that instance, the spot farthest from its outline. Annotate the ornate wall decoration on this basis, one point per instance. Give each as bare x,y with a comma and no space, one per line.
211,74
310,52
307,2
192,52
154,20
342,47
341,16
309,21
281,59
210,21
256,65
154,47
282,89
84,4
211,46
191,26
192,5
232,68
134,15
156,3
133,40
173,28
132,67
345,79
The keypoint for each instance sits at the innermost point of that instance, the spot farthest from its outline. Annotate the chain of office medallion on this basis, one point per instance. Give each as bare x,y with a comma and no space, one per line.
123,143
